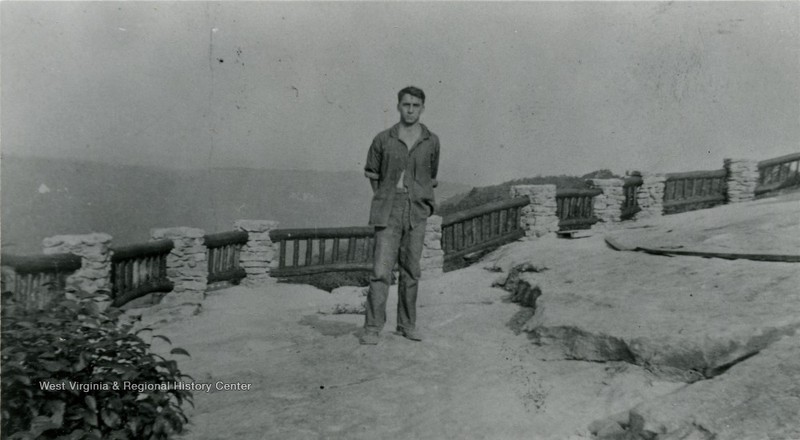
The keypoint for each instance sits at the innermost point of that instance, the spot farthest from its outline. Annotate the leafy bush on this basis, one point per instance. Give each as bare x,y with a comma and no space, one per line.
64,375
487,194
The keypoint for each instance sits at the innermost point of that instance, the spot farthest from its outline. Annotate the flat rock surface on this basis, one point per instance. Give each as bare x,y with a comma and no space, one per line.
661,326
769,226
471,378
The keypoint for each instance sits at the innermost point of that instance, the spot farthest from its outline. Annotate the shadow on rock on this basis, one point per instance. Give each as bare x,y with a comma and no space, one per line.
328,328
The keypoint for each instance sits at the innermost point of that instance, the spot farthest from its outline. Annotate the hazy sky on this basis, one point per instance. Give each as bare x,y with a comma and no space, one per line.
514,89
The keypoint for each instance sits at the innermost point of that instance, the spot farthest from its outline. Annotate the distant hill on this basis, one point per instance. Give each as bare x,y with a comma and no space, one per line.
43,197
485,194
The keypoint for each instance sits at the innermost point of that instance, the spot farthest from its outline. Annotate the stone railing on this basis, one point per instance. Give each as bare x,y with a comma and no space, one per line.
183,260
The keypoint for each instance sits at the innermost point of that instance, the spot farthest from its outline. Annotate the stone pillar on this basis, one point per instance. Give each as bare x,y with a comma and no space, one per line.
94,276
540,217
608,205
187,264
432,260
258,254
742,179
650,196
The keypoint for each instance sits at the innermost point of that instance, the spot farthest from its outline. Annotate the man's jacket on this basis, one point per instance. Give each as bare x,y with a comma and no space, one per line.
388,157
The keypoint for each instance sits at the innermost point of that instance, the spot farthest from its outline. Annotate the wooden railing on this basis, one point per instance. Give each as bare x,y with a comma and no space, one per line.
694,190
630,188
139,269
36,280
316,250
480,228
223,256
575,208
778,173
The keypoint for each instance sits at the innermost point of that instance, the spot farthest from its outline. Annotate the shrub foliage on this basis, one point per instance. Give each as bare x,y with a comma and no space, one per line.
64,373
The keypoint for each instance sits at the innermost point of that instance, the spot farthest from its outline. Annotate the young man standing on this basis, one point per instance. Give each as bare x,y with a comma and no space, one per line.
402,164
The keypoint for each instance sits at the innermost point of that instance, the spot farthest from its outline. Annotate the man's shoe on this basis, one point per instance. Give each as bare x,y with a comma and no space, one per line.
410,334
369,338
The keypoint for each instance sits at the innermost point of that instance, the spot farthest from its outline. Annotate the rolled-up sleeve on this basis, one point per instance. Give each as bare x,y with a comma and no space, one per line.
372,170
435,163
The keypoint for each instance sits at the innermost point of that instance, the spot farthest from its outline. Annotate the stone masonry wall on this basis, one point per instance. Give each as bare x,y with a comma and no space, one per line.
187,264
258,255
650,196
432,260
95,272
540,217
608,205
742,179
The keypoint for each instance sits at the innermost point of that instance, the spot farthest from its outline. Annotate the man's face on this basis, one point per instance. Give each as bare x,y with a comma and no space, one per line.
410,108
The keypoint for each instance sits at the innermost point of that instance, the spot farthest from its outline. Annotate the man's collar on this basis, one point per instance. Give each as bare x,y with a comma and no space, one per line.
424,133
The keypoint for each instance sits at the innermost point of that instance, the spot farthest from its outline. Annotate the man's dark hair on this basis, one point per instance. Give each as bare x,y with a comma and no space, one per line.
413,91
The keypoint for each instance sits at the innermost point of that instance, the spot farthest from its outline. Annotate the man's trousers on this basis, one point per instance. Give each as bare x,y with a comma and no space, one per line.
399,242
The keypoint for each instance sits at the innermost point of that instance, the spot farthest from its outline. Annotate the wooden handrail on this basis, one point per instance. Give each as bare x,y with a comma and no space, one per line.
577,192
693,200
226,238
141,250
467,214
633,181
778,160
41,263
321,233
697,174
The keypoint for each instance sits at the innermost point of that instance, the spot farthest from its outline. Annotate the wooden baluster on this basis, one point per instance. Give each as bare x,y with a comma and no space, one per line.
322,251
351,249
472,232
121,276
309,251
335,250
295,252
450,238
129,274
215,260
282,257
135,271
571,208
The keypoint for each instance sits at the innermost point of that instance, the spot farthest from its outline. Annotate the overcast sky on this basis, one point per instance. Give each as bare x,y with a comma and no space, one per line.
513,89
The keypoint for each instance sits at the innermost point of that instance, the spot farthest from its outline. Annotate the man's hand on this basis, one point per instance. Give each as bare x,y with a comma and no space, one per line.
374,184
